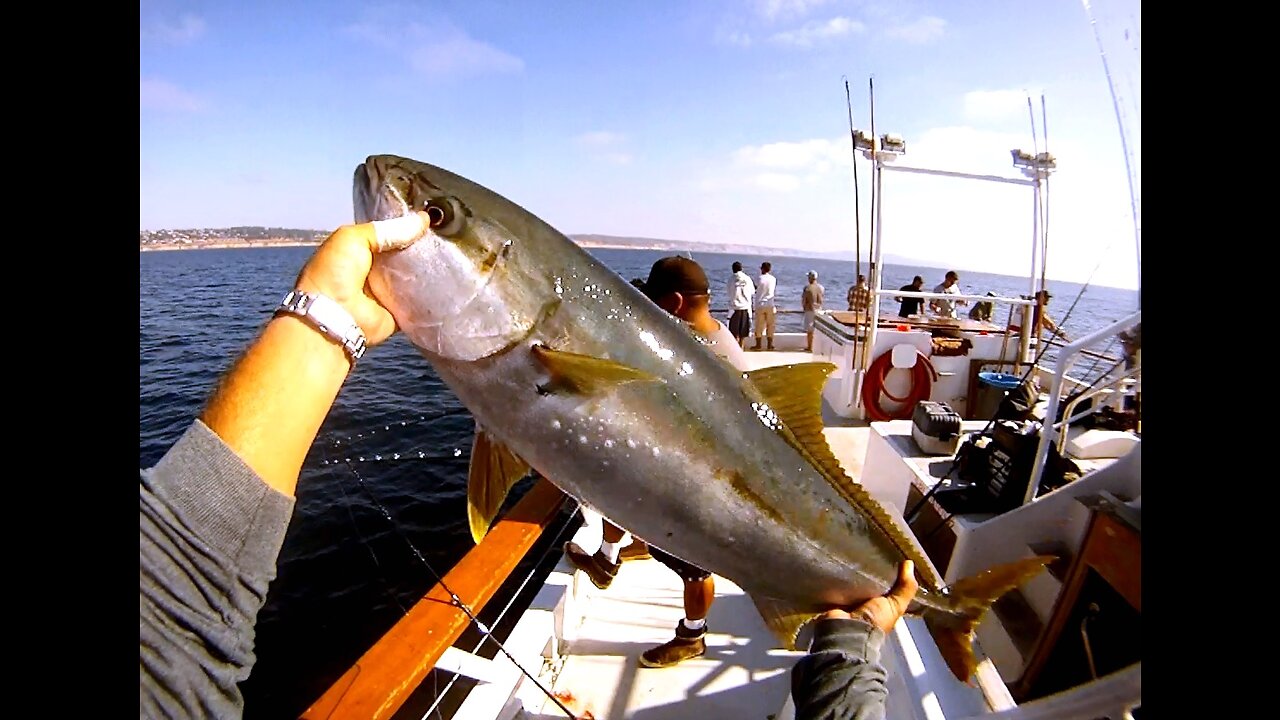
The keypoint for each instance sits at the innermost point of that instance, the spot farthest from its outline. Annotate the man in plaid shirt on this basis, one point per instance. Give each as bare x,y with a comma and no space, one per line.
860,295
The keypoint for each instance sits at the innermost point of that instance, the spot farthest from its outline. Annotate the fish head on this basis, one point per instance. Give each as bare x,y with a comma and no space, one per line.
459,291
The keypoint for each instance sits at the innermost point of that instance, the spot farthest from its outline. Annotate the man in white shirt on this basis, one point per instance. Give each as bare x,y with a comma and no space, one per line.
741,293
945,307
766,310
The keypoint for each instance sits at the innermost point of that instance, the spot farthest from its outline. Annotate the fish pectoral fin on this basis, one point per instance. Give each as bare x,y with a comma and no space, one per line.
783,619
585,374
494,470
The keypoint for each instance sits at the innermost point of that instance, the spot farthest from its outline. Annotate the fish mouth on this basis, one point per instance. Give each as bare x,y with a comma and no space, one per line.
373,198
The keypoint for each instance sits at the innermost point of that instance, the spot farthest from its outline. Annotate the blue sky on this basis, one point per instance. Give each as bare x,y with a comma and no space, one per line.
711,121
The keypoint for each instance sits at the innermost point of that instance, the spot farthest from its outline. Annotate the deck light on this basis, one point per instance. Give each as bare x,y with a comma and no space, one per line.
1036,167
885,148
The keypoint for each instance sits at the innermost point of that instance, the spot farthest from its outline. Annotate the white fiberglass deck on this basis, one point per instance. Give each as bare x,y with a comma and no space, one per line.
742,675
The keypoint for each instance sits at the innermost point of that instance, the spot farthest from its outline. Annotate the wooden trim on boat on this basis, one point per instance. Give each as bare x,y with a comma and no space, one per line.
389,672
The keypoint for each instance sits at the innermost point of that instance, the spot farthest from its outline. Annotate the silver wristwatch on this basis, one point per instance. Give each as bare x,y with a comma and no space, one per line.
328,317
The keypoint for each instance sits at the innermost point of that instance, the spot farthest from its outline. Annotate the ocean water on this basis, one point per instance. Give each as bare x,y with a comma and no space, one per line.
385,479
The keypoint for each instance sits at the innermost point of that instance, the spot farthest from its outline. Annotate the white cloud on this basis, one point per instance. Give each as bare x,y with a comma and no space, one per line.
966,149
737,38
184,31
920,32
461,56
774,9
782,167
996,105
440,51
165,96
816,32
599,138
778,182
816,155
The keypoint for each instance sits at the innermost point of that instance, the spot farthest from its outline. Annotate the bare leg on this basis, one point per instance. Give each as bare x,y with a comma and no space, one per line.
612,533
698,597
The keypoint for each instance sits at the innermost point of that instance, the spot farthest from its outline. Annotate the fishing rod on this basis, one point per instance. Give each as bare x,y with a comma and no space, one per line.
860,358
853,152
1124,145
1044,197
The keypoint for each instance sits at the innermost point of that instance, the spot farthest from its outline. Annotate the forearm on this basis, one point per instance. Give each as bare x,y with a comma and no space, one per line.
209,535
271,404
841,677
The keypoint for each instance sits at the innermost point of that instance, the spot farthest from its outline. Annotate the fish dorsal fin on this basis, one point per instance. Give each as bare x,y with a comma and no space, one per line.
794,392
494,470
585,374
783,619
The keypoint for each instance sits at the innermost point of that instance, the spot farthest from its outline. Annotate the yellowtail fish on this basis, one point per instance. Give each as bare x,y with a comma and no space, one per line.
570,370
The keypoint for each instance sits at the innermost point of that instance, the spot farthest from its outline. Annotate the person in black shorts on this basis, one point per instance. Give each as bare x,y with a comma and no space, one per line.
679,286
742,293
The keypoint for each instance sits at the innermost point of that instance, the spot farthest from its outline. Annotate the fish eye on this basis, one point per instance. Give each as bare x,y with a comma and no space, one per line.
446,216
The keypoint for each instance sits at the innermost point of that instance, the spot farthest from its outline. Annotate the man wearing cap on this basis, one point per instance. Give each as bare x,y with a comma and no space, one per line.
1041,316
741,292
679,286
1040,319
983,309
811,302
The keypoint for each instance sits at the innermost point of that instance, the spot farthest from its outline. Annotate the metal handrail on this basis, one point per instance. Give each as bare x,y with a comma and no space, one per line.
1067,416
1065,360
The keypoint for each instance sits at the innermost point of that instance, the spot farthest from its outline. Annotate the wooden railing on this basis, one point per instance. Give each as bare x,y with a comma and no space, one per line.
389,672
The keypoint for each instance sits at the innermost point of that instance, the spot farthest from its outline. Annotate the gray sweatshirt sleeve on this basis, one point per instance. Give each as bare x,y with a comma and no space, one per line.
841,677
210,532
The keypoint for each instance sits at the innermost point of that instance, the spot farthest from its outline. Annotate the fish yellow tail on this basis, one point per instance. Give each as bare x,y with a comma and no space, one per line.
973,596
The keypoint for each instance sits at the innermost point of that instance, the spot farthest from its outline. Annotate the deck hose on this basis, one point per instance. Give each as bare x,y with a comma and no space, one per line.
923,375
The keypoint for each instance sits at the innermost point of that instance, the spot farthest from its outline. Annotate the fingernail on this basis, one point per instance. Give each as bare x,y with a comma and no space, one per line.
399,232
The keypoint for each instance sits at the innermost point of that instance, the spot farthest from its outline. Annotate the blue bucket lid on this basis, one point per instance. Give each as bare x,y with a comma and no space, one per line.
1004,381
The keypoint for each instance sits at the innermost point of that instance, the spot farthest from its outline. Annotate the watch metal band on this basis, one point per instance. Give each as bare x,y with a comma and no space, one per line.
327,316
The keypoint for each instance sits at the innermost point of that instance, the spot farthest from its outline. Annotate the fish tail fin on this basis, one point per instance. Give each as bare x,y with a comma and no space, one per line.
973,596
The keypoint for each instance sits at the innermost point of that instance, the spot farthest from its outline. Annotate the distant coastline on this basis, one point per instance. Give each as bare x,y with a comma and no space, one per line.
224,245
236,244
259,237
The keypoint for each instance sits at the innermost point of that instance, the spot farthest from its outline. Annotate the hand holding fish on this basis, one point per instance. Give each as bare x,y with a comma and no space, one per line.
270,406
885,611
339,269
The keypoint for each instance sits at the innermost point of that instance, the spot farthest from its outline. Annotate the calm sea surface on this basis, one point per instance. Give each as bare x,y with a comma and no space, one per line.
347,572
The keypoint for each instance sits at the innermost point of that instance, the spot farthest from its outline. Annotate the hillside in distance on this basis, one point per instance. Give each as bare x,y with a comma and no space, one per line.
258,236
